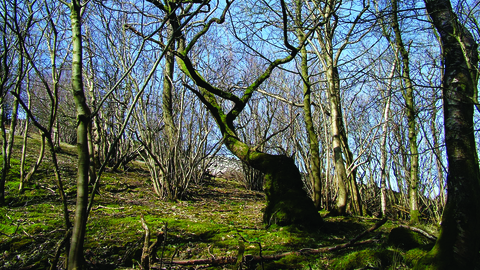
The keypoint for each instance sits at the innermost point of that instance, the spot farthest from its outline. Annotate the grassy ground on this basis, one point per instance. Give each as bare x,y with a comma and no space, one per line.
217,218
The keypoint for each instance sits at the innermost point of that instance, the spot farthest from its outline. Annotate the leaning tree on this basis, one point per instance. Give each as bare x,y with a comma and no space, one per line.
287,201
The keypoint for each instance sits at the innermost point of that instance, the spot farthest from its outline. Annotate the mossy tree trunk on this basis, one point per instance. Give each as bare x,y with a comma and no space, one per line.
458,244
313,143
287,202
411,116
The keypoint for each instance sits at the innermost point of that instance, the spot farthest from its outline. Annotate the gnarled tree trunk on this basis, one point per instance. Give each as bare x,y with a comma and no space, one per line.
287,201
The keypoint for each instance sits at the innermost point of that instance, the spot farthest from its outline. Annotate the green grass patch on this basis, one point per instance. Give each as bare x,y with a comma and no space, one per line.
218,217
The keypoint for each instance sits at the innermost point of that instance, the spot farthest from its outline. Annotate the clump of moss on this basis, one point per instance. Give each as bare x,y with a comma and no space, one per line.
407,239
35,229
20,244
412,256
288,262
379,258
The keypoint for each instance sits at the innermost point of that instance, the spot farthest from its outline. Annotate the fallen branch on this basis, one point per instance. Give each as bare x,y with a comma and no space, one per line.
149,251
424,233
302,252
109,208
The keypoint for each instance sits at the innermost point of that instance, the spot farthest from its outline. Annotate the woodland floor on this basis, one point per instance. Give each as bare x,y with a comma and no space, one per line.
217,219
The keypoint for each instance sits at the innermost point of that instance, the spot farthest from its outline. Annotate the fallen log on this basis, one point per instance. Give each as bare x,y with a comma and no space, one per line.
306,251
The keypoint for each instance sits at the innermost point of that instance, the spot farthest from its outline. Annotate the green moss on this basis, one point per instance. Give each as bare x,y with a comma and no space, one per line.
21,244
288,262
378,258
414,255
407,239
36,229
414,217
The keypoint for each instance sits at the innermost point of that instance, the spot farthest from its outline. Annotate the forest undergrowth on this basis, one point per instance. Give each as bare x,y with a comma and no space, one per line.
218,225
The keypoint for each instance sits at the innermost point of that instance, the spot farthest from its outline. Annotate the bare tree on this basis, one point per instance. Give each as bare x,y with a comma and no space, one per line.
287,202
411,115
75,256
329,54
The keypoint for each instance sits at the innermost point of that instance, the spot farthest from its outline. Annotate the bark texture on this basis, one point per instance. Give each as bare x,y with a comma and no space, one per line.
458,245
315,173
410,108
287,201
76,258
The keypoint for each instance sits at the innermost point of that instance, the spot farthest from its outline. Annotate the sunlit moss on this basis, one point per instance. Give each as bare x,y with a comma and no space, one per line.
412,256
377,258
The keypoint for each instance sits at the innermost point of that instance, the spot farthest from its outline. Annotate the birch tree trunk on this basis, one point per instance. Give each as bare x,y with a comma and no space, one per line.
383,142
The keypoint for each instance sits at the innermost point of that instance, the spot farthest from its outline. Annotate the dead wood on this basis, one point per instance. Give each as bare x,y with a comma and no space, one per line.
306,251
149,251
424,233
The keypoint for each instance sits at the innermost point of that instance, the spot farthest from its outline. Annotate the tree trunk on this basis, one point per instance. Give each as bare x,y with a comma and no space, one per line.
76,258
338,161
458,244
314,157
348,198
21,187
13,127
287,201
411,117
383,142
167,106
3,175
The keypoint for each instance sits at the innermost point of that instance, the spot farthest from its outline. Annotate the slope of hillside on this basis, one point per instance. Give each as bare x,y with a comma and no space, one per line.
219,219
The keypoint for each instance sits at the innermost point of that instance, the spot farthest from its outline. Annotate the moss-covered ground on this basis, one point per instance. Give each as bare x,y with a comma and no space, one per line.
216,218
